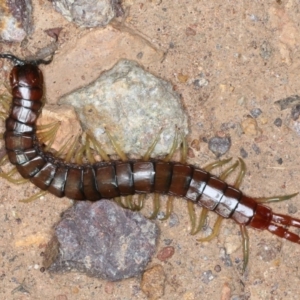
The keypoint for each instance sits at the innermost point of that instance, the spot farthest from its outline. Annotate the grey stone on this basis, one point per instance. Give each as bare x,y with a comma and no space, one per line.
16,20
134,106
102,240
86,13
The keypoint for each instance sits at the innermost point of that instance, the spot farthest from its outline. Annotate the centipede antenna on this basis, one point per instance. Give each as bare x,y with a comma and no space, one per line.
34,197
241,175
245,243
275,198
215,231
217,164
228,171
16,60
150,150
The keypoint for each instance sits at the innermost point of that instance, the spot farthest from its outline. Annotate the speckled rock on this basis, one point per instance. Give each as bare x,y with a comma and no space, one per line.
15,20
133,105
102,240
87,13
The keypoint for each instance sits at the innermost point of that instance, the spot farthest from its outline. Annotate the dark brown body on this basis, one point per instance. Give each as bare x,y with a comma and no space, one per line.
114,179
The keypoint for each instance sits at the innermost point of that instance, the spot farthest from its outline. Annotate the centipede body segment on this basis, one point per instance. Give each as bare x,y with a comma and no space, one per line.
94,181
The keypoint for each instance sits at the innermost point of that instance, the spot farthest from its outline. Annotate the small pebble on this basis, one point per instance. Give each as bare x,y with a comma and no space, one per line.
166,253
174,220
207,276
182,78
256,112
278,122
261,138
219,145
250,127
196,144
109,287
256,149
153,282
226,292
191,153
288,102
265,50
217,268
292,209
295,112
190,31
244,153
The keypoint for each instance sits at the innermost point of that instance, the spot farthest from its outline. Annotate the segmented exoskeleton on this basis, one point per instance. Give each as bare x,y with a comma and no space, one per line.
110,179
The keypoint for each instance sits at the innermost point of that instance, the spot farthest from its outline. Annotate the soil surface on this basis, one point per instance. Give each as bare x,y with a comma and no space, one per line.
230,61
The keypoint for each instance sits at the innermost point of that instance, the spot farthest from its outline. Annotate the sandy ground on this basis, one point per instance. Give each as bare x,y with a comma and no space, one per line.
227,59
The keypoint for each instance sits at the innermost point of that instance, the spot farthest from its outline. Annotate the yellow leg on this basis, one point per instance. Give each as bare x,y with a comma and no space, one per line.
245,243
173,148
156,206
215,232
275,198
34,197
228,171
71,150
141,201
202,219
169,208
79,155
89,155
98,147
217,164
147,155
241,175
117,147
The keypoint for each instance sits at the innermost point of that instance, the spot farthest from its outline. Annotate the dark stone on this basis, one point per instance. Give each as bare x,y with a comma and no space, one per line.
219,145
278,122
102,240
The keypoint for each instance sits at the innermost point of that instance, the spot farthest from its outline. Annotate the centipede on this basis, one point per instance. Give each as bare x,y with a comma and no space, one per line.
112,179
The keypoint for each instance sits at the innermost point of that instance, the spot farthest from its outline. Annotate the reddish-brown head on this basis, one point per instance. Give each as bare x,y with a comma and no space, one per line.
27,75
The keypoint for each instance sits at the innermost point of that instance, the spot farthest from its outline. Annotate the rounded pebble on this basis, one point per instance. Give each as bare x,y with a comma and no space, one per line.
278,122
219,145
166,253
